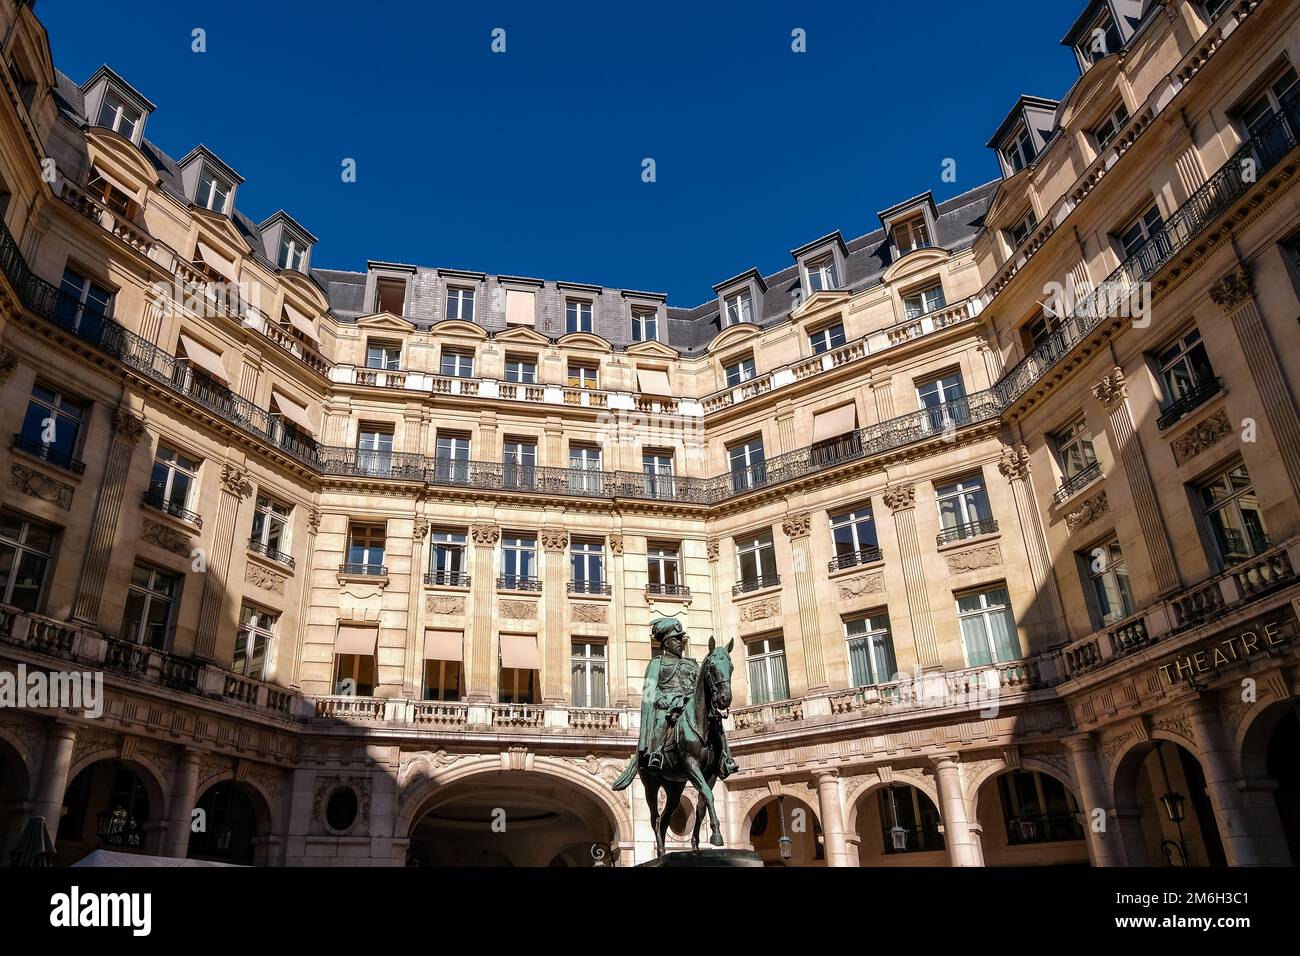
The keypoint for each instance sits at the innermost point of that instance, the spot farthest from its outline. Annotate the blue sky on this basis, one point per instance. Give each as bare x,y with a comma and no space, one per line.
529,162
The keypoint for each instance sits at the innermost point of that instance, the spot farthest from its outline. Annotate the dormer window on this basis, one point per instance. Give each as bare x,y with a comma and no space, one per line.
291,254
740,308
118,115
460,303
213,193
822,274
1106,131
390,296
911,234
1019,151
645,325
577,316
1100,40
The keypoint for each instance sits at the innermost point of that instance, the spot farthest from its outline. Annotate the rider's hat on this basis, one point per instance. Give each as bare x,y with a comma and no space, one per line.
662,628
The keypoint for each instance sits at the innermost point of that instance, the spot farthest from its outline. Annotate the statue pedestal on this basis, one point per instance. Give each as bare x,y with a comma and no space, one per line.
710,857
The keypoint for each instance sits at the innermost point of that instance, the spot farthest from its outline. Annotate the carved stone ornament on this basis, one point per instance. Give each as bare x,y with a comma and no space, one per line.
327,785
989,556
313,521
1087,512
1204,435
554,539
420,530
797,525
760,610
1014,463
264,578
485,533
1112,388
850,588
126,427
1233,289
589,613
518,610
616,545
235,481
8,362
711,548
444,604
166,538
900,497
41,486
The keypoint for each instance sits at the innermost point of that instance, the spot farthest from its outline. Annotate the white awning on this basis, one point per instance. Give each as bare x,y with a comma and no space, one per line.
294,412
520,652
654,381
519,307
115,183
444,645
218,263
834,423
206,359
357,639
300,322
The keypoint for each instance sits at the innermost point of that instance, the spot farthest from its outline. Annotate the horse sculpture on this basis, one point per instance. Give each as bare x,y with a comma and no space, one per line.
693,750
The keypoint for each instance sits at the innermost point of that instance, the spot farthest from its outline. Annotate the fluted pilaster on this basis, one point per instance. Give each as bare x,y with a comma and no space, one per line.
901,501
235,487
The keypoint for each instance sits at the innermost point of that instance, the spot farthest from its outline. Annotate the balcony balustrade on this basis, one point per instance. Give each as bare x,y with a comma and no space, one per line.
667,590
1077,482
518,582
268,551
450,579
364,570
851,559
36,449
1189,402
589,587
745,585
154,499
972,529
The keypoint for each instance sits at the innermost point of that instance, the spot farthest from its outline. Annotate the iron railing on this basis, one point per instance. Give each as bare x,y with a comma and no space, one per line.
670,590
273,553
518,582
745,585
451,579
364,570
852,559
154,499
969,530
1195,398
589,587
1078,480
48,453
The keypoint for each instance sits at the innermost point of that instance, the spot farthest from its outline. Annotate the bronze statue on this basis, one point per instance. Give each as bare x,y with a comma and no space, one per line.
682,740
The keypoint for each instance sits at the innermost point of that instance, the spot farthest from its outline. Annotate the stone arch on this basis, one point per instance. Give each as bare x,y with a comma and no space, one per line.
425,779
768,794
16,782
263,805
1029,763
1254,727
855,799
155,783
28,759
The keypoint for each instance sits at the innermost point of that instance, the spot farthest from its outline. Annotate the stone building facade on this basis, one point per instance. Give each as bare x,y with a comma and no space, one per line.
999,501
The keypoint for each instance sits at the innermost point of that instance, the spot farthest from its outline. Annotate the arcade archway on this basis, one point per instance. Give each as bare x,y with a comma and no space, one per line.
14,784
112,805
1164,809
235,822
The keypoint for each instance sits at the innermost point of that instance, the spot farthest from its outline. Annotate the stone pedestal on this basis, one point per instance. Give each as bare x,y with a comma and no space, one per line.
722,857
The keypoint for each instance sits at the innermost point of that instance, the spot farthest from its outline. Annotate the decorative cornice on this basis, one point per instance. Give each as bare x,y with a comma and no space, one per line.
485,533
1233,289
1014,463
554,539
900,497
1112,389
235,481
797,525
127,428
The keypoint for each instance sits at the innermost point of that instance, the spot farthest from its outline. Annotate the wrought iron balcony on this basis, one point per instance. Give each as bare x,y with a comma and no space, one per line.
589,587
745,585
1190,400
969,530
451,579
668,590
364,570
1271,142
273,553
154,499
44,452
851,559
517,582
1077,481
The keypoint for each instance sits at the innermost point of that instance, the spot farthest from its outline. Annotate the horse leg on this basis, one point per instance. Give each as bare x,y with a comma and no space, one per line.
699,822
652,801
673,799
706,794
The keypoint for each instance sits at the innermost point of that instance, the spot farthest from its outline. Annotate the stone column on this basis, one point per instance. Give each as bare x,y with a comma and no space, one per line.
1235,294
555,642
1014,466
831,807
304,599
1107,847
127,430
480,681
180,803
414,680
56,759
901,500
1112,392
963,849
235,487
798,528
1218,761
618,626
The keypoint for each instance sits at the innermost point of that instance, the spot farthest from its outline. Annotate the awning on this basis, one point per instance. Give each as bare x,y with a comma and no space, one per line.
520,652
653,381
357,639
206,359
519,308
444,645
300,322
218,263
294,412
834,423
115,183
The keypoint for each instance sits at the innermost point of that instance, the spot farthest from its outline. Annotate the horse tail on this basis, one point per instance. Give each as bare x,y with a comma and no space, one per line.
625,779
